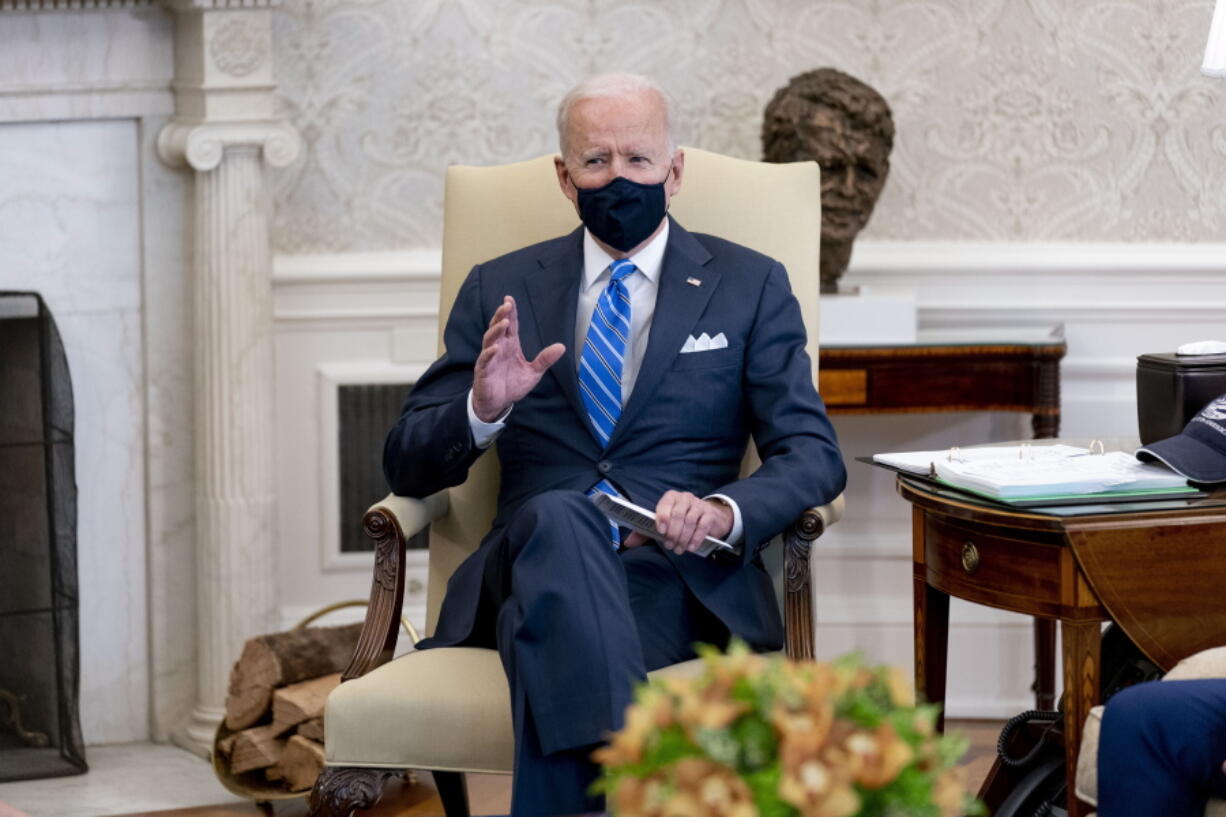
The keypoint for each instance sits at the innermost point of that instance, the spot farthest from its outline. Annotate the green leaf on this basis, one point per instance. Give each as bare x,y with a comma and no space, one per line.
666,747
720,746
974,807
864,707
908,795
764,786
758,742
951,748
743,691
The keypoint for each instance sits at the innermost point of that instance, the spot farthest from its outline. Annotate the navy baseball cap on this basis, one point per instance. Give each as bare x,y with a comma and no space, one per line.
1199,451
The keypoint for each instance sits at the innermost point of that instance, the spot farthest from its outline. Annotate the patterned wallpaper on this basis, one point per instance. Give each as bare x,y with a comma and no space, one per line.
1044,120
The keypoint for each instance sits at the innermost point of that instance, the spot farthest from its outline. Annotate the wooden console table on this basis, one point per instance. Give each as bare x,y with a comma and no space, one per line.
946,375
941,374
1154,567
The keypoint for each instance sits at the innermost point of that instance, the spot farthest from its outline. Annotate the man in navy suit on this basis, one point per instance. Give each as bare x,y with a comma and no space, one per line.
630,357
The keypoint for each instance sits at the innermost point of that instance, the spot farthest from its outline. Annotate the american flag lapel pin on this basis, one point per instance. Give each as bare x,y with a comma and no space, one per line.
694,282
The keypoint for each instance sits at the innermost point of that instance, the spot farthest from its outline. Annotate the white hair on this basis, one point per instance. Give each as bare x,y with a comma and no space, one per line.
615,86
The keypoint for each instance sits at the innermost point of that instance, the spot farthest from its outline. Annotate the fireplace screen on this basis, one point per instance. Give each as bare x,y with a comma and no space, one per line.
40,732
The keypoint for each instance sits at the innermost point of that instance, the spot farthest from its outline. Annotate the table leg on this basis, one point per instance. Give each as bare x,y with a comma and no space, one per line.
931,645
1044,664
1081,683
1046,419
1046,424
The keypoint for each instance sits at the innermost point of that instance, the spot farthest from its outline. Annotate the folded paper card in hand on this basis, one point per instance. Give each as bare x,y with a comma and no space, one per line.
637,518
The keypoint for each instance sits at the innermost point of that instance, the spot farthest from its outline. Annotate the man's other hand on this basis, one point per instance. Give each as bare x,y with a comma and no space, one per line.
502,375
684,520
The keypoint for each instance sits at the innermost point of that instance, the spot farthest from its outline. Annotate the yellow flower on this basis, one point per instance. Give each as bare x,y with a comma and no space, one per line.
652,712
691,788
804,717
877,756
635,797
949,790
818,789
709,712
898,684
711,789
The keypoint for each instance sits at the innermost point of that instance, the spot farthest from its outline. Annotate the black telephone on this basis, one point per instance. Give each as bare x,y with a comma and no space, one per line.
1031,744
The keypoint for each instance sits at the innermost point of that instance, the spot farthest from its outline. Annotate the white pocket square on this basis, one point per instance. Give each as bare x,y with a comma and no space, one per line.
704,343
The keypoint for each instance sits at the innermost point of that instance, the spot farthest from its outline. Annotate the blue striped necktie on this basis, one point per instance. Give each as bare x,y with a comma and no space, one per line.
602,362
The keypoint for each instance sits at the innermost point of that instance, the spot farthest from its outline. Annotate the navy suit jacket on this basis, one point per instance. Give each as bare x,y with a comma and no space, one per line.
685,425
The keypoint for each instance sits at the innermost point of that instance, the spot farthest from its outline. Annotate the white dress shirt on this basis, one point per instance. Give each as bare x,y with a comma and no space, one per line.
643,286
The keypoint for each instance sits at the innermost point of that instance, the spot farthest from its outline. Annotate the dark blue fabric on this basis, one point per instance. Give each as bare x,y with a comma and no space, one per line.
623,213
685,426
578,626
1161,749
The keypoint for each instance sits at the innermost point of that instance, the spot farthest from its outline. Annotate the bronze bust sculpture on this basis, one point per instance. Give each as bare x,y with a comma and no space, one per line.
846,127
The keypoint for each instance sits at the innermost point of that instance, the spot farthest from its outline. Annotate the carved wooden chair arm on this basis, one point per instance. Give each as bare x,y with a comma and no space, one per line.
389,522
797,576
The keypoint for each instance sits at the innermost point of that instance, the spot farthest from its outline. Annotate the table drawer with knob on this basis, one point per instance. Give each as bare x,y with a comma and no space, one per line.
977,563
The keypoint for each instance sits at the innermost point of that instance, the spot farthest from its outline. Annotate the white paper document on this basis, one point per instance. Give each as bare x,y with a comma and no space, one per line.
921,462
637,518
1077,474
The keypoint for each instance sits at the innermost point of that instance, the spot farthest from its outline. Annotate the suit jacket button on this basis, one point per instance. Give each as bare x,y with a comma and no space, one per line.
604,466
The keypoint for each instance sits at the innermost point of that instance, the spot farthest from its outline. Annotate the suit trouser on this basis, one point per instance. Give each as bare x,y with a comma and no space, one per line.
578,625
1161,749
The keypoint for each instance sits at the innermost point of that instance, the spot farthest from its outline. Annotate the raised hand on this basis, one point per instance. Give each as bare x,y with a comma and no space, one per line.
502,374
683,520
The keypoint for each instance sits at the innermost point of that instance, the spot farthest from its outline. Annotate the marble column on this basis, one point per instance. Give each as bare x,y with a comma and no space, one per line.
229,146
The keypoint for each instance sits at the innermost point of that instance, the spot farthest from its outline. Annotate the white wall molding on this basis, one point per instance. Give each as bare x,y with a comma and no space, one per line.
958,285
1092,259
988,263
1103,368
86,100
321,318
1053,311
354,268
74,5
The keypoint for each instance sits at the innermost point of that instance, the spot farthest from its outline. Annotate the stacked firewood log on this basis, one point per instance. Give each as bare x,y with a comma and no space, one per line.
274,725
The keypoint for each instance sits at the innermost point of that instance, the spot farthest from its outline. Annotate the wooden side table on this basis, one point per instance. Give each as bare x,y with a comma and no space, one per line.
1047,563
940,375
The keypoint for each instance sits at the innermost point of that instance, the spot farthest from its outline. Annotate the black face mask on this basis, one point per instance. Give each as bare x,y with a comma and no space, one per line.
622,213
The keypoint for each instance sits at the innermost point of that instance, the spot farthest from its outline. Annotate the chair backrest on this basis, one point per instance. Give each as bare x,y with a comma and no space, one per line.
489,211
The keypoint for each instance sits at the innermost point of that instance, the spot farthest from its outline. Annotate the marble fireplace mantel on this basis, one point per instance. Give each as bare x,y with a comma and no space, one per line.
136,137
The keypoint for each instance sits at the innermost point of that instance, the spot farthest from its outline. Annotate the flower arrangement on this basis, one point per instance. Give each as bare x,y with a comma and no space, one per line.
765,737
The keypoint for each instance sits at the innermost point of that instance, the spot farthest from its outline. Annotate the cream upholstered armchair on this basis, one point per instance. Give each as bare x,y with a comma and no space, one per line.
448,710
1206,664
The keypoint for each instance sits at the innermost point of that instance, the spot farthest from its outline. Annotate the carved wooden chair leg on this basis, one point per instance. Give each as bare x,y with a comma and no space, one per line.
341,789
453,792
